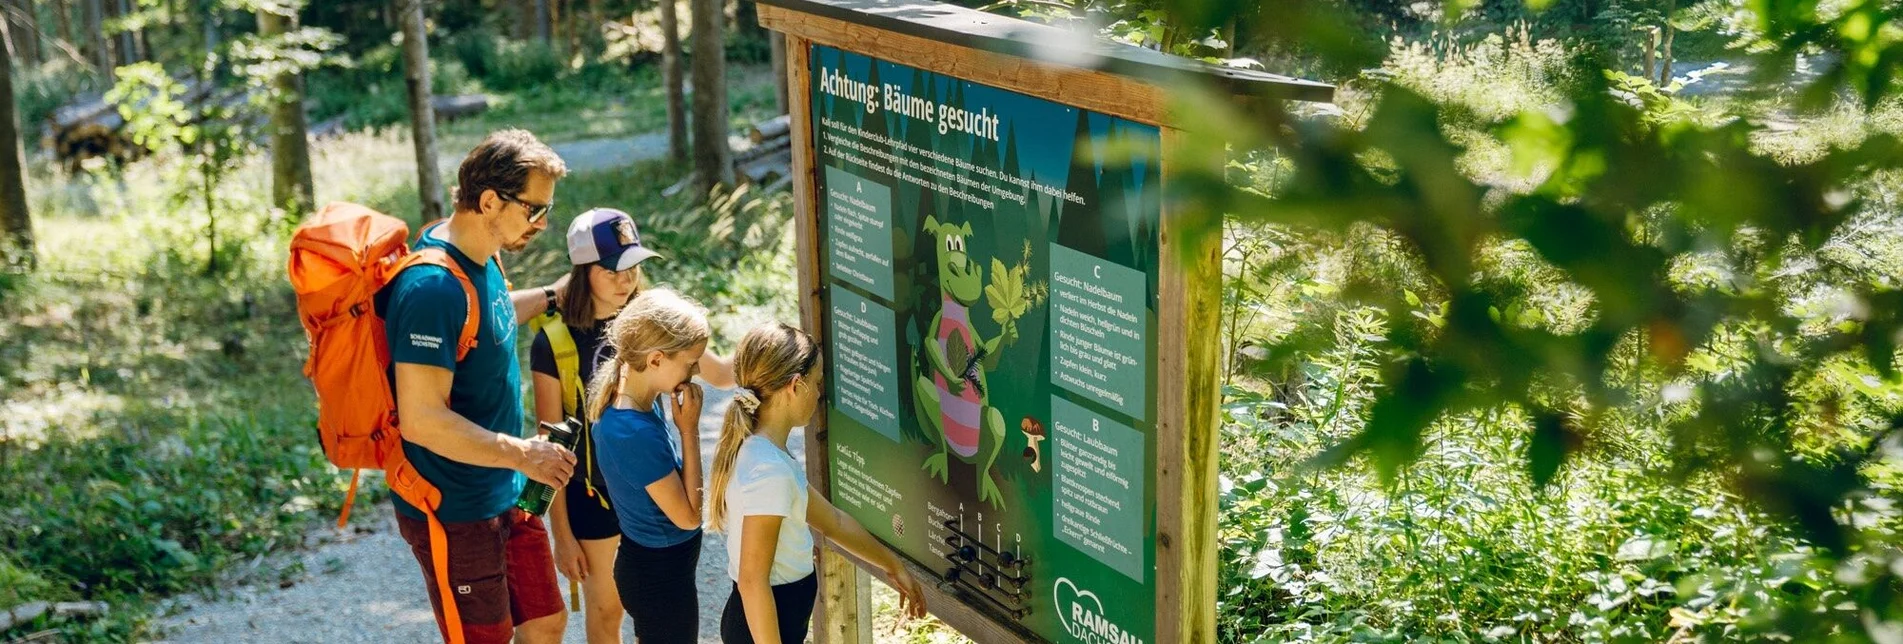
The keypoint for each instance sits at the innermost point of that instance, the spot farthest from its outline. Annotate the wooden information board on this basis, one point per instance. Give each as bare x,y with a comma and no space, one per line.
1022,368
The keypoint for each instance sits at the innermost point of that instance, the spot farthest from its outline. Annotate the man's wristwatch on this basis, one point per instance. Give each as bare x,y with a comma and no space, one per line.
549,292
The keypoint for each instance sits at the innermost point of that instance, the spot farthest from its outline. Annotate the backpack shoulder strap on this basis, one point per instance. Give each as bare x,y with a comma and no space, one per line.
567,360
471,322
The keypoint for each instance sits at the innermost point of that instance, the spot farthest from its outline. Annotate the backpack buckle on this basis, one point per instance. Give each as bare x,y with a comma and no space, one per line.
356,310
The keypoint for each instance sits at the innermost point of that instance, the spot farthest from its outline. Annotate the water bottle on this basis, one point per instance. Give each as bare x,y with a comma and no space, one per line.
536,496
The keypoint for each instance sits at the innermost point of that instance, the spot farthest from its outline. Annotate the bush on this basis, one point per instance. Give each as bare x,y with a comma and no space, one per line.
476,49
524,64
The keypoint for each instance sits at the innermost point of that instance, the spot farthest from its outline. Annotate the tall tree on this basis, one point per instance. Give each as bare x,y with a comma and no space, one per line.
671,73
429,182
126,41
1665,56
291,187
15,222
713,159
544,22
25,31
92,28
62,16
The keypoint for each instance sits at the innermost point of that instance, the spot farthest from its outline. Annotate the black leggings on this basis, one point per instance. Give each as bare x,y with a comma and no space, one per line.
794,601
658,590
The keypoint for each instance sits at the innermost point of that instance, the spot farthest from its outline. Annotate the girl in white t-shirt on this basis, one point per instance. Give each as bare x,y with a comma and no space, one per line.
760,498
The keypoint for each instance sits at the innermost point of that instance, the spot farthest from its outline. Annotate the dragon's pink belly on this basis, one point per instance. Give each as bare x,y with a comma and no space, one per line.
961,416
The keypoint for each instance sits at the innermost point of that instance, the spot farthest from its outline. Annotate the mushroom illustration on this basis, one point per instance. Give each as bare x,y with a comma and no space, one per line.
1033,433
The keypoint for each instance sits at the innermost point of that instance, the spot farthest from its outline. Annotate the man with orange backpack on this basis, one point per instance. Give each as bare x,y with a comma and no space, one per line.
462,418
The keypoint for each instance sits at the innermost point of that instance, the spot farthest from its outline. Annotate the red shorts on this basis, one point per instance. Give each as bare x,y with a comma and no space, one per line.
501,569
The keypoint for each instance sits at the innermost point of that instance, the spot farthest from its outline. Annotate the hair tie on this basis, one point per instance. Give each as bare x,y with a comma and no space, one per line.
748,401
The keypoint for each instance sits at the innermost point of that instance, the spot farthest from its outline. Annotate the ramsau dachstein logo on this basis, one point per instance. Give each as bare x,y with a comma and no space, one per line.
1082,616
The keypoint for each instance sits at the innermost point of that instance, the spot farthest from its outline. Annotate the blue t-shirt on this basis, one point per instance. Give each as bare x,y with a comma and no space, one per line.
637,449
423,312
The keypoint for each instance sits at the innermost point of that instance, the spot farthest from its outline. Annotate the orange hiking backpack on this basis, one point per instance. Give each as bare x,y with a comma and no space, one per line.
340,258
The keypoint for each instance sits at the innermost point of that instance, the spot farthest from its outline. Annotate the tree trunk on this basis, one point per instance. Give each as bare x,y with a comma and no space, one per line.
713,159
671,72
27,22
1651,36
128,42
429,182
1665,56
291,187
777,42
746,18
542,22
15,222
92,19
65,20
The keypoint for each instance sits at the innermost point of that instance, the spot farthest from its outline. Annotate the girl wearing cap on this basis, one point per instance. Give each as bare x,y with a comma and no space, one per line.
760,499
605,248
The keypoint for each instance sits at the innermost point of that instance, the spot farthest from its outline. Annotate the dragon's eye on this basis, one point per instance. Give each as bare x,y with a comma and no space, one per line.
951,243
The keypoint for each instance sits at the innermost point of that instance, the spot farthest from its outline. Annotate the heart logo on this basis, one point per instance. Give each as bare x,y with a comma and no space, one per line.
1066,608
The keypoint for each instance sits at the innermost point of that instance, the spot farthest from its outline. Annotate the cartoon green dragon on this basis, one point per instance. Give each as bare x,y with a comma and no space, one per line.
952,403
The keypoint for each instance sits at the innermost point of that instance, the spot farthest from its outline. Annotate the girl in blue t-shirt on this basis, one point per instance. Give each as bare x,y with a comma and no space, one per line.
652,474
760,498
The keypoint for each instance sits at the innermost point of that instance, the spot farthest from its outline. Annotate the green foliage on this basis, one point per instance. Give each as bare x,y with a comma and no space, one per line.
523,64
210,134
1525,347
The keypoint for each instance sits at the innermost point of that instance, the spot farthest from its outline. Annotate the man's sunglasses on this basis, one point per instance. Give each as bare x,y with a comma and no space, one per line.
536,210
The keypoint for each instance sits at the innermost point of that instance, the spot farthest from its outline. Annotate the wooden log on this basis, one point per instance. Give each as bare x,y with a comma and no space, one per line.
761,148
775,127
80,609
22,614
327,128
449,108
766,168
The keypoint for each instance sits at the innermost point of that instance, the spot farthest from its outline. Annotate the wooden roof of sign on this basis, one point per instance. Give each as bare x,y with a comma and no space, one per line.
1130,72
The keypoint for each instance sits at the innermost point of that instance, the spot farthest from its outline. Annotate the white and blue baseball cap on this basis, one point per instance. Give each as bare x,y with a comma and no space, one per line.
606,237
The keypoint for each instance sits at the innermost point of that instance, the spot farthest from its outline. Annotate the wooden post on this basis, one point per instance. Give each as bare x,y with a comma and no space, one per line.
429,181
844,612
1189,301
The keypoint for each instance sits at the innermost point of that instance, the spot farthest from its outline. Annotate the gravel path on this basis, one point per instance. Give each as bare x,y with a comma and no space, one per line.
366,587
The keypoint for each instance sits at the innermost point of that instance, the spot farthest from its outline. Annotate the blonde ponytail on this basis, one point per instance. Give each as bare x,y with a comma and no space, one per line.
768,359
656,320
734,430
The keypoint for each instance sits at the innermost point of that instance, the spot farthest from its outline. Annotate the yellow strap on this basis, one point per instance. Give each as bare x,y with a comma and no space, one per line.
567,360
568,370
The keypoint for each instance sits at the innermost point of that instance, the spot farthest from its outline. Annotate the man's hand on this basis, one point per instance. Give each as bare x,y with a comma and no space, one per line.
687,400
545,462
560,286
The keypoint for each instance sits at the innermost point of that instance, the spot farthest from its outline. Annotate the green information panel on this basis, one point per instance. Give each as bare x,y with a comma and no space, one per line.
991,266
